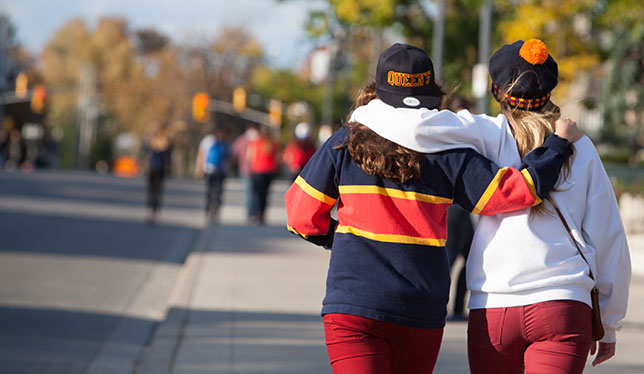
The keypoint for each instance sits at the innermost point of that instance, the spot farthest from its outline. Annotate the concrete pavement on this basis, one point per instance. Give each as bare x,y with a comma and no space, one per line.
83,281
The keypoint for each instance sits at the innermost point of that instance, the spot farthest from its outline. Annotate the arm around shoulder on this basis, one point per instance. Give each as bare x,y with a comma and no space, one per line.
484,188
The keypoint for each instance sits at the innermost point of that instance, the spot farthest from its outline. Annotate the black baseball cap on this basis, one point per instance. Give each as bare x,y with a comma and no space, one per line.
405,78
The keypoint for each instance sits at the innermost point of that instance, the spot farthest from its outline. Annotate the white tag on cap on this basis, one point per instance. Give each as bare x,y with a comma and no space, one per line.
411,101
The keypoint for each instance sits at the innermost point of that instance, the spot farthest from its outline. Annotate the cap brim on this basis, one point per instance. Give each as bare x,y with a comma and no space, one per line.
398,101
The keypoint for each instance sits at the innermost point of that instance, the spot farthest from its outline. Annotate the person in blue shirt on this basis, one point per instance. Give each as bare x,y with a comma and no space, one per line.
215,170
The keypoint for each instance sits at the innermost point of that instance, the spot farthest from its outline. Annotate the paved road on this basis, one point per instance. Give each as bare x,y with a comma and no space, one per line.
87,287
81,276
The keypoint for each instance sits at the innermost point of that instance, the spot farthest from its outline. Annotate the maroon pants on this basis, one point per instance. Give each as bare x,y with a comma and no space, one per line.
359,345
552,337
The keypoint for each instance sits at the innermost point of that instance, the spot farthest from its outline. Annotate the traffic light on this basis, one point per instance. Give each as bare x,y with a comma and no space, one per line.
239,99
21,85
38,99
200,112
275,113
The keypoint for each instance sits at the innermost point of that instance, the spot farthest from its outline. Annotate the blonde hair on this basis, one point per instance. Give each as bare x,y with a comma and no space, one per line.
530,127
160,140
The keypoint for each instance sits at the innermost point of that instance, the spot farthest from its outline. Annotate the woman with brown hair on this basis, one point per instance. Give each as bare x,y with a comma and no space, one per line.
388,279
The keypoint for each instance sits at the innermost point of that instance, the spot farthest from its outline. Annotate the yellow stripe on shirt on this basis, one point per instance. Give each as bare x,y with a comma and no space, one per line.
489,191
390,238
311,191
293,230
533,189
392,192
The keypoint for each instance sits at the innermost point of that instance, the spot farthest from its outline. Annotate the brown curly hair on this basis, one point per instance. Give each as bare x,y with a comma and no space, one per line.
376,155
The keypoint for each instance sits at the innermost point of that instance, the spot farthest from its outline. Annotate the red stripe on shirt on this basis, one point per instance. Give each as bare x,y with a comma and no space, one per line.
511,193
380,214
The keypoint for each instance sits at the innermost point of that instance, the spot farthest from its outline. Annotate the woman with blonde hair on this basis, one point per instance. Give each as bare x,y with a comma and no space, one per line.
535,313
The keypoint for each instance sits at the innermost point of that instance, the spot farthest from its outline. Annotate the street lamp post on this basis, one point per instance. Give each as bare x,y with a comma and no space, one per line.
4,41
480,79
437,39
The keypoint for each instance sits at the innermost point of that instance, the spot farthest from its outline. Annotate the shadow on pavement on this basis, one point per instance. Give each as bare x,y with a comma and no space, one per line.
255,239
106,189
62,341
75,236
241,342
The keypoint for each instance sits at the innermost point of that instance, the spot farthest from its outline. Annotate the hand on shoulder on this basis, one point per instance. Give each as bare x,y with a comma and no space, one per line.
567,129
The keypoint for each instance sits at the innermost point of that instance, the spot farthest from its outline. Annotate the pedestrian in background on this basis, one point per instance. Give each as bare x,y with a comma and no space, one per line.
14,150
262,156
388,278
4,140
159,151
298,151
204,147
240,151
215,170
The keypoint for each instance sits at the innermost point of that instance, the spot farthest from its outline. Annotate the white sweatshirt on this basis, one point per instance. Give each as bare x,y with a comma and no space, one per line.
523,258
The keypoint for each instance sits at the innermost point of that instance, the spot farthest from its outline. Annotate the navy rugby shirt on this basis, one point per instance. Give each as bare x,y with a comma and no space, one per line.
388,260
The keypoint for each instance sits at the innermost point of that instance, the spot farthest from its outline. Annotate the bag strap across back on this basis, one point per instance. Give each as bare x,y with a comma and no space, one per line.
590,272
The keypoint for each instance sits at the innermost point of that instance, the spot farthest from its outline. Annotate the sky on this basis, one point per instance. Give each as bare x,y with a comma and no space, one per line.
279,26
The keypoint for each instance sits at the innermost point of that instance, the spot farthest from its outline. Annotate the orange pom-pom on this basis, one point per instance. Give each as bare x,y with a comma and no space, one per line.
534,51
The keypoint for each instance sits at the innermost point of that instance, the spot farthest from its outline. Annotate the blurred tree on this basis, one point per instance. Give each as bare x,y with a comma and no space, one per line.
564,25
287,86
10,46
122,82
622,91
139,78
60,69
17,57
227,62
365,21
624,14
366,12
150,40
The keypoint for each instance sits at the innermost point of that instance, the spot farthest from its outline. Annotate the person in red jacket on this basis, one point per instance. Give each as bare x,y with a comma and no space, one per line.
298,151
262,157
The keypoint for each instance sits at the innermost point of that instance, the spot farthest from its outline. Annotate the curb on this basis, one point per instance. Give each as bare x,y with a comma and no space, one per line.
122,348
165,341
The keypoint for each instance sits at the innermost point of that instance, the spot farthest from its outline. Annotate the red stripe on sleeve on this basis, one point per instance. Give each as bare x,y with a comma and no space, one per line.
512,193
306,214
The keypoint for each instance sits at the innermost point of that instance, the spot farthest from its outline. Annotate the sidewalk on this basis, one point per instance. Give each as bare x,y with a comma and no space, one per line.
247,300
